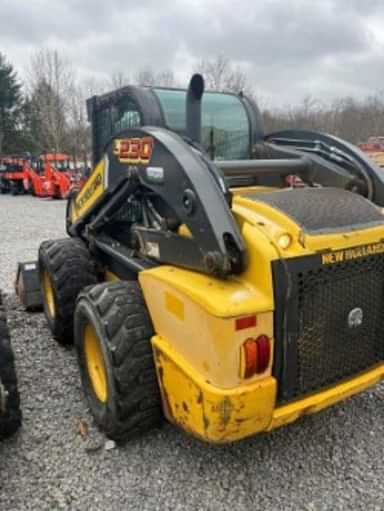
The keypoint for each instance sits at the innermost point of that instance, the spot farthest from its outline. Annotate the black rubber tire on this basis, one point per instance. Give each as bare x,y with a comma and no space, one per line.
71,268
119,315
10,421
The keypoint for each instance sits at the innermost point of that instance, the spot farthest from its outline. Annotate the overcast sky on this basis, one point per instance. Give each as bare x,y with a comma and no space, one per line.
289,48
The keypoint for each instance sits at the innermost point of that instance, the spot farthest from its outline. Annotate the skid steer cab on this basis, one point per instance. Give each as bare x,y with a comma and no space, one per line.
196,284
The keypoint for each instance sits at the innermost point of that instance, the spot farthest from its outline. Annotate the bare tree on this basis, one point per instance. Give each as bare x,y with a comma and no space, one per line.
56,103
119,79
165,78
149,77
220,75
78,139
349,118
50,83
145,77
92,85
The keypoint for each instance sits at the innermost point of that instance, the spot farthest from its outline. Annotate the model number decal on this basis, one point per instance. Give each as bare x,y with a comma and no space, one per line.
133,150
352,253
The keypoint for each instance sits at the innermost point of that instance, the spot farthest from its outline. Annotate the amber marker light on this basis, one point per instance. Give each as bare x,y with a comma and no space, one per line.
284,241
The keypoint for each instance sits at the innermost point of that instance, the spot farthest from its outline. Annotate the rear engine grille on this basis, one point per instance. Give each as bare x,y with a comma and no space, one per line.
334,323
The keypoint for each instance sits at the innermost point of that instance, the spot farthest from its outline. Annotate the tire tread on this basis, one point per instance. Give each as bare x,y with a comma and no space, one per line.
71,268
11,420
127,331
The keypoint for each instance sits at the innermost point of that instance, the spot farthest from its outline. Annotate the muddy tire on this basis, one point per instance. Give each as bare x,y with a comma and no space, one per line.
112,337
65,267
10,413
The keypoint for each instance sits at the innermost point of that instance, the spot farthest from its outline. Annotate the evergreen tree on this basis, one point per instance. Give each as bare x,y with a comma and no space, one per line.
10,105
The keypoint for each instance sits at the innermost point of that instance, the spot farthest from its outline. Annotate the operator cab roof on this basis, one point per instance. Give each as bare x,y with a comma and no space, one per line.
231,123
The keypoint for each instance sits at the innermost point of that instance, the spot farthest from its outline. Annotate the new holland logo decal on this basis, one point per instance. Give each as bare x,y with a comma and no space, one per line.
349,254
92,189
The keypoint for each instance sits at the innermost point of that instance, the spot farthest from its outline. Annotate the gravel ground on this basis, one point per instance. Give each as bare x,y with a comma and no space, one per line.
333,460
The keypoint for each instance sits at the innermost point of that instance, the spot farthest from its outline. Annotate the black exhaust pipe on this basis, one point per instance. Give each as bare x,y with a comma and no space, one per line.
193,107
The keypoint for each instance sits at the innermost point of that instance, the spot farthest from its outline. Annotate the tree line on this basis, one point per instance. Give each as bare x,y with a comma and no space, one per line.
47,112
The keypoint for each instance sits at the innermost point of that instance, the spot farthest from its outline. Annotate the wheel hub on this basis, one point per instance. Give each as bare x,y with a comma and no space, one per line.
49,294
95,363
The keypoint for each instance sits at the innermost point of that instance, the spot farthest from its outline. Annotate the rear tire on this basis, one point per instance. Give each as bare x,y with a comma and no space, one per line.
112,337
10,416
66,267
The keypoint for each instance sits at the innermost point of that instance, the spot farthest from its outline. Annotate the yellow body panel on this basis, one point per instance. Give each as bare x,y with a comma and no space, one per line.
205,337
222,298
212,414
377,157
197,348
110,276
226,415
274,223
319,401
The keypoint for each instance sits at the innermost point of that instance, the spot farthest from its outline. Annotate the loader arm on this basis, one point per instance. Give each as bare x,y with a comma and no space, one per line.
368,177
150,183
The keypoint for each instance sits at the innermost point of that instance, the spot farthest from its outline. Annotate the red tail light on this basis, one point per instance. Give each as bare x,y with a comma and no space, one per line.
263,352
250,358
256,354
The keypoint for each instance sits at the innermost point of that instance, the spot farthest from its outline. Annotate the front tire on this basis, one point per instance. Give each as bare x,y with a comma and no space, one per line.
10,413
112,337
66,267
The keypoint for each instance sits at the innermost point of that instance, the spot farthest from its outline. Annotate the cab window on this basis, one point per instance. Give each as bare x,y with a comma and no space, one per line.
116,118
225,125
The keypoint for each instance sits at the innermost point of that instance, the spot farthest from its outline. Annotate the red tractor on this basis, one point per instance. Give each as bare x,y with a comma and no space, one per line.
12,174
49,175
34,180
59,178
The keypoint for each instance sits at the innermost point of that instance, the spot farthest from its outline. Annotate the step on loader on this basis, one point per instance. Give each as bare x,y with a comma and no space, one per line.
10,414
196,284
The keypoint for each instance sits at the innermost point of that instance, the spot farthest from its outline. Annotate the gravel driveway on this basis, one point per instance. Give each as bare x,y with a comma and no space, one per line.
333,460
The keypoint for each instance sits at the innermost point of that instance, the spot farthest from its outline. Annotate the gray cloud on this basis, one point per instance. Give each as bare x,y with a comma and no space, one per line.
289,49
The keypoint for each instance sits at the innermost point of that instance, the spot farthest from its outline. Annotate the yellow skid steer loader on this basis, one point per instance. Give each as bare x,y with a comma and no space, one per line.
197,284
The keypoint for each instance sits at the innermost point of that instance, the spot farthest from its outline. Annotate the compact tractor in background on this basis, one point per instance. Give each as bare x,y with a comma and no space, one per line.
56,174
196,284
10,414
12,174
49,175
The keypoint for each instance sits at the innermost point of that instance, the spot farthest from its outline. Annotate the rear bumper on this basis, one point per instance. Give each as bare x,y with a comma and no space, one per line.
316,402
225,415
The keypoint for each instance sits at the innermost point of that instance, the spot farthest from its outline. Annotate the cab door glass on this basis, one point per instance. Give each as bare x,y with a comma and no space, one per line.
225,125
116,118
